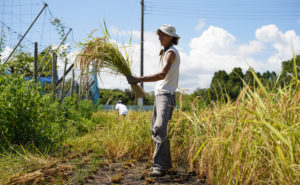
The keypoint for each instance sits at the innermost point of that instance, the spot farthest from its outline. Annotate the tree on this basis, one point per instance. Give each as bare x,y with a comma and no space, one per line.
235,84
288,70
21,63
248,78
218,84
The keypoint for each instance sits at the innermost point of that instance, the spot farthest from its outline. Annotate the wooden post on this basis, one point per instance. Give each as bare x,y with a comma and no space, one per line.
54,72
72,83
63,82
79,86
87,94
88,88
35,65
86,85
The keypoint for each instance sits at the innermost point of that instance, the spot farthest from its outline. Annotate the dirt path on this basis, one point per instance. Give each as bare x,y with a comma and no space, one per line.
136,173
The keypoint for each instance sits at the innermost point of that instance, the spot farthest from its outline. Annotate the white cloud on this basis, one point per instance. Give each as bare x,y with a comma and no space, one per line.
200,25
252,48
214,39
5,53
283,43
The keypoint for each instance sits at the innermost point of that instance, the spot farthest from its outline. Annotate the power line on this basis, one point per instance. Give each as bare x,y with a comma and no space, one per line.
223,10
297,14
19,5
221,17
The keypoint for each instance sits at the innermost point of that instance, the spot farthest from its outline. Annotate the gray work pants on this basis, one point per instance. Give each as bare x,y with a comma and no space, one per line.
162,112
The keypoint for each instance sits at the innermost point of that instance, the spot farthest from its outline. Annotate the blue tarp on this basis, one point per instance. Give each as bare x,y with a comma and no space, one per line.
43,80
47,79
94,88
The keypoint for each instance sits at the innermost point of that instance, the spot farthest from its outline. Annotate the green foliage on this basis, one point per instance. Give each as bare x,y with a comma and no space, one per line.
22,63
61,29
2,41
288,71
24,112
28,117
218,84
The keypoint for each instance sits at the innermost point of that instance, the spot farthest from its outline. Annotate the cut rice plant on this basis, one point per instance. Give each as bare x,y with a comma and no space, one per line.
105,54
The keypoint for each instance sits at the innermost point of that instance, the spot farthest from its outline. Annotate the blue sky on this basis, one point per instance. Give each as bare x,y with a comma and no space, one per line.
215,34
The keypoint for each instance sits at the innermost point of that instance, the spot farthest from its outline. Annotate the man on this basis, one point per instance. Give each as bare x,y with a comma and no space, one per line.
121,108
164,98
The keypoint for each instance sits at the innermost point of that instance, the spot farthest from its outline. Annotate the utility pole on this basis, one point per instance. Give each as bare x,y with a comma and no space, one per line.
140,100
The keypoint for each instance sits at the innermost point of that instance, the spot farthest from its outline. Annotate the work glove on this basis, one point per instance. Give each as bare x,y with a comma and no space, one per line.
132,79
154,131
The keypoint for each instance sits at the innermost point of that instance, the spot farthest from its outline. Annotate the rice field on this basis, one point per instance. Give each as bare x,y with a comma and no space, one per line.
254,140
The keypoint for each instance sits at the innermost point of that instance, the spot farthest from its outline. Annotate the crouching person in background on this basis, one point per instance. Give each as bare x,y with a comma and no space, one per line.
121,108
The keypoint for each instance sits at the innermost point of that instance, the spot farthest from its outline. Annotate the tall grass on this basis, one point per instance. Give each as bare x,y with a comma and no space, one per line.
124,137
254,140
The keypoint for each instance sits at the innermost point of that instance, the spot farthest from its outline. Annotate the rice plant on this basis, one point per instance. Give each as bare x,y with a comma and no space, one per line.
104,53
254,140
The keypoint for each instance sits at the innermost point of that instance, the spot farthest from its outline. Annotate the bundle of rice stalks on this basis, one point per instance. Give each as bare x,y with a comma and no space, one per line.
103,53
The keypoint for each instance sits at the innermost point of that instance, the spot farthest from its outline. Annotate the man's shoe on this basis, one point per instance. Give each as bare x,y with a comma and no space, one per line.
157,173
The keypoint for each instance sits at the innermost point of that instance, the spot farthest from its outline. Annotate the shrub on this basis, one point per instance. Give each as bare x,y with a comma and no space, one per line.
21,109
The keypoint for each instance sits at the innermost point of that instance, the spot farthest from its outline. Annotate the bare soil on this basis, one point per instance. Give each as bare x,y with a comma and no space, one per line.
136,173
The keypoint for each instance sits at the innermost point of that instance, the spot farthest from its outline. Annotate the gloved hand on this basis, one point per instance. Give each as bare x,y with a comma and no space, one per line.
154,131
133,80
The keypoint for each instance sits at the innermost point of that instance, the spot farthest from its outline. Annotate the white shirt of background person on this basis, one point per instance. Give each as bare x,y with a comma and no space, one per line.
122,109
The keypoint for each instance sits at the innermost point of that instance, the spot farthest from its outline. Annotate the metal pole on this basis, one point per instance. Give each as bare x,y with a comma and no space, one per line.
54,52
48,51
140,100
64,39
66,73
54,72
35,67
142,40
45,5
44,68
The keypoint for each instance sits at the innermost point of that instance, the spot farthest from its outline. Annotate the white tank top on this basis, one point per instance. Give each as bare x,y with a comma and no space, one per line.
170,83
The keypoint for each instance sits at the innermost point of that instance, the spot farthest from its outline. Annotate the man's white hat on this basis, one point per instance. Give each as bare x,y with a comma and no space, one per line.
168,29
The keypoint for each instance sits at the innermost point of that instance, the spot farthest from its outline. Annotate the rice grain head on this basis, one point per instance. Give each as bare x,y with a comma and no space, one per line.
105,54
